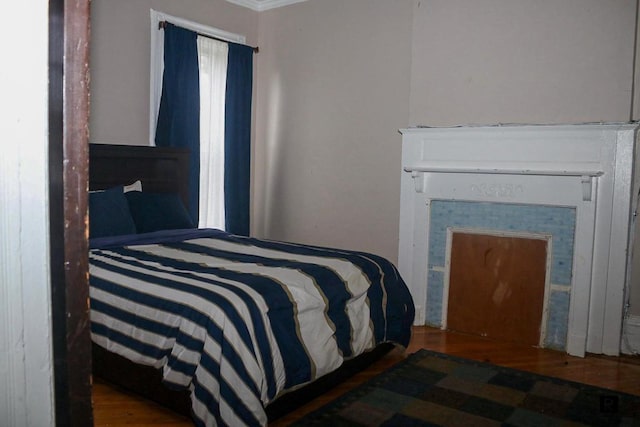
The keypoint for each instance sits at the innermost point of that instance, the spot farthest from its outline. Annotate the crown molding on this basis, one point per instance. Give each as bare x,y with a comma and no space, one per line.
261,5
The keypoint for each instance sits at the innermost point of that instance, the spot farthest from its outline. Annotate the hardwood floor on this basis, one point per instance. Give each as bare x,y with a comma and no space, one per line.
115,407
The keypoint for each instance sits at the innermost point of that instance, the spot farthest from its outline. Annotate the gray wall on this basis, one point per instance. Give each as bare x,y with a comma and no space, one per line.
519,61
333,90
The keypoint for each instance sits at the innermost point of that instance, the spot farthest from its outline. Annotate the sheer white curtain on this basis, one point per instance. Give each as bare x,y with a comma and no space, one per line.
213,56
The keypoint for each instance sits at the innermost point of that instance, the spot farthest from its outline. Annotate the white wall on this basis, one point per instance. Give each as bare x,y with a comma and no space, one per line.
26,370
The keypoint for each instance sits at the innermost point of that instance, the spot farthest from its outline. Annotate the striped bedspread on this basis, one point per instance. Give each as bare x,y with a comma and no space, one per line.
239,320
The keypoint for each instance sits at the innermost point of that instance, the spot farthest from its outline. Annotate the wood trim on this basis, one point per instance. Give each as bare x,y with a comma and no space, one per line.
69,23
56,210
76,146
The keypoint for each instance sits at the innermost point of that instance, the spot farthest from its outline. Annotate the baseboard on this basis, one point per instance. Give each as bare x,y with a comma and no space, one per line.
631,335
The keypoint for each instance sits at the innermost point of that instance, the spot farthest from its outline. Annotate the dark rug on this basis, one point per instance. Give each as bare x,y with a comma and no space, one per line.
433,389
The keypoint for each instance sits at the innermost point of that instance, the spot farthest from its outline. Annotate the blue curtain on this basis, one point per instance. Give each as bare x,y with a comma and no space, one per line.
238,138
179,113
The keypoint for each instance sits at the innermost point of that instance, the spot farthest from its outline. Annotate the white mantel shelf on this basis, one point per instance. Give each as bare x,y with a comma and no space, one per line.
504,171
585,166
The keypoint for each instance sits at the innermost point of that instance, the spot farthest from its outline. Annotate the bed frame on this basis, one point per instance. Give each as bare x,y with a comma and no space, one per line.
163,169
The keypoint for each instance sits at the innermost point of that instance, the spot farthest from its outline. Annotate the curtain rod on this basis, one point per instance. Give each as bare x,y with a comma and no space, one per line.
163,24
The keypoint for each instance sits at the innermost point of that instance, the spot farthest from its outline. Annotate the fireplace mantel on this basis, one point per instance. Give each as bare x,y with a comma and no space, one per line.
588,167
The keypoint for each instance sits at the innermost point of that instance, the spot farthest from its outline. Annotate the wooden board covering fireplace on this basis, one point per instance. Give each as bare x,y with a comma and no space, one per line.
497,286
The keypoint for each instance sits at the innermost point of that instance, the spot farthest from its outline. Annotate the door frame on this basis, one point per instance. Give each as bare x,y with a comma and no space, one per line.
69,24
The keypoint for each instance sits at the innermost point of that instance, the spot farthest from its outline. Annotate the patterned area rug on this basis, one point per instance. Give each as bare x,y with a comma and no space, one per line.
433,389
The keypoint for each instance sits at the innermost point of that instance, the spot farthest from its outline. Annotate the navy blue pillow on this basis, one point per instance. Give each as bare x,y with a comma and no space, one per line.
158,211
109,214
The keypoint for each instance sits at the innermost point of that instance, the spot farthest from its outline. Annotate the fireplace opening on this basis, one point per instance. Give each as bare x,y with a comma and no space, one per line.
497,285
552,227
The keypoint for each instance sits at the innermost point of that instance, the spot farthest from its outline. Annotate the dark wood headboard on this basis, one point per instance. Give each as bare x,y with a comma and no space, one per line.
160,169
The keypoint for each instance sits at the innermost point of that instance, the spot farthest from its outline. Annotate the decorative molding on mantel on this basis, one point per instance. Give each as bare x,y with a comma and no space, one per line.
417,173
262,5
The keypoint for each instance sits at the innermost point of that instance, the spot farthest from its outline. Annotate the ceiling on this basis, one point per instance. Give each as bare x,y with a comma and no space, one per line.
260,5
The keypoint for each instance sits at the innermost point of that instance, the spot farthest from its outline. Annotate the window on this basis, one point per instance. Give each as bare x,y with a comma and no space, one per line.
212,58
212,65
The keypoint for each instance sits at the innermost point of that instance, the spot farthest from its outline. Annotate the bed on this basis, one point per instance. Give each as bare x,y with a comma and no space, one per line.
238,330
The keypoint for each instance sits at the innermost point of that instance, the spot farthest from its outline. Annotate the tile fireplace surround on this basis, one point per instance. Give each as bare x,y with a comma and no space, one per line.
584,171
